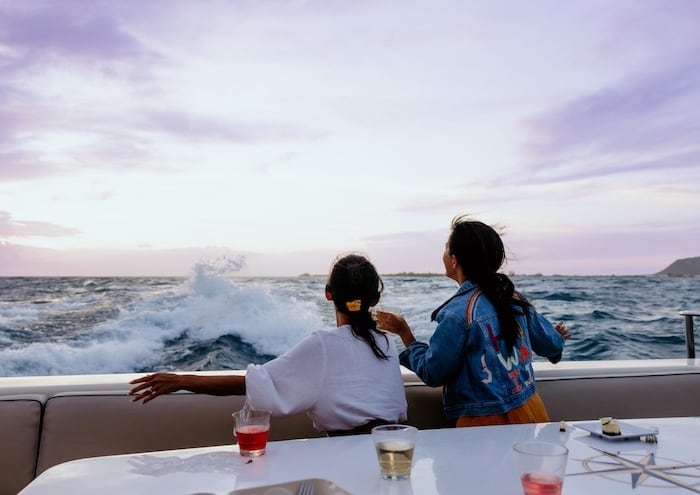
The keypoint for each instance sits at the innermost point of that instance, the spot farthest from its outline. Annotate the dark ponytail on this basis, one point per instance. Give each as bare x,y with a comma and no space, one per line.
480,253
355,287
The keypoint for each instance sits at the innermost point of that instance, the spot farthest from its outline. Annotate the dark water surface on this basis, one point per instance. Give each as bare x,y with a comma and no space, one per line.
53,326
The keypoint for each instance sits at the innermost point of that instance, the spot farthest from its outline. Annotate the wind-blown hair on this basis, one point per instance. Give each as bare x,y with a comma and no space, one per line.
480,253
355,287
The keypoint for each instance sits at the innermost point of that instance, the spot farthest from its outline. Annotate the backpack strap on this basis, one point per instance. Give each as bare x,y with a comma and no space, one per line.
471,304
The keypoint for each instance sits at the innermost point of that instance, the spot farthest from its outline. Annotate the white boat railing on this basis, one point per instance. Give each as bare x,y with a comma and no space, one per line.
689,332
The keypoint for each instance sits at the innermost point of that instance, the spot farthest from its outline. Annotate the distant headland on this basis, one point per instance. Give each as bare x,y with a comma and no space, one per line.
684,267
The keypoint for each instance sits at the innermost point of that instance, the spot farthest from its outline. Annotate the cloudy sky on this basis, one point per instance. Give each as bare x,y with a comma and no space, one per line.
143,137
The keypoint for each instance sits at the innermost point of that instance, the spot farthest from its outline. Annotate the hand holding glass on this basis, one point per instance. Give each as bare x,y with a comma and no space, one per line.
542,466
385,309
252,428
380,308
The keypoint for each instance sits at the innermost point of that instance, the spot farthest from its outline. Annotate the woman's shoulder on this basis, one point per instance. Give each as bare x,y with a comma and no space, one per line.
311,340
323,336
458,303
344,336
470,306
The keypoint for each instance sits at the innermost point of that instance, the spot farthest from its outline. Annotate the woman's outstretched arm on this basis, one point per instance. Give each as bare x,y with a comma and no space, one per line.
151,386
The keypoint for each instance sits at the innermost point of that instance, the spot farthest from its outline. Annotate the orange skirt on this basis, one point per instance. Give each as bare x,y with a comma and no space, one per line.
533,411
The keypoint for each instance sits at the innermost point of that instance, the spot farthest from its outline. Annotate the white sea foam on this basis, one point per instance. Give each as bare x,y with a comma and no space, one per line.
204,307
13,314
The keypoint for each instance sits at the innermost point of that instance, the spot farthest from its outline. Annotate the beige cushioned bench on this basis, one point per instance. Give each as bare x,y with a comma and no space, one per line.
20,424
89,424
73,422
657,396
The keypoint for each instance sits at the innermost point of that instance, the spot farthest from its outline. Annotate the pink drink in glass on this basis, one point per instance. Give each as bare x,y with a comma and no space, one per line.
252,439
252,428
541,484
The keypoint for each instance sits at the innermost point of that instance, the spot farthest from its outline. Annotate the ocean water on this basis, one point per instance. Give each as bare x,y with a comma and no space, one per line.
212,320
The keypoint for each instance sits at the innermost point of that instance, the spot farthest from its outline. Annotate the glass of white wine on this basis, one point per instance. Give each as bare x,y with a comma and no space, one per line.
394,445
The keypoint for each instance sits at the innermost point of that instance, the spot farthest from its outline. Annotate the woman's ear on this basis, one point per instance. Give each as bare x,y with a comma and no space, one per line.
329,296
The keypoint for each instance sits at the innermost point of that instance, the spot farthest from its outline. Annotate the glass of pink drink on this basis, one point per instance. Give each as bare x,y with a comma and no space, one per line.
542,466
252,428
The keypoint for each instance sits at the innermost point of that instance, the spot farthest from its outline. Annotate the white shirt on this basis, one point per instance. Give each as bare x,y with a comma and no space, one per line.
333,376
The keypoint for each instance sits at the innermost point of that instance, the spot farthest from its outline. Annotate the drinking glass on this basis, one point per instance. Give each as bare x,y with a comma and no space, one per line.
385,309
394,445
541,466
252,428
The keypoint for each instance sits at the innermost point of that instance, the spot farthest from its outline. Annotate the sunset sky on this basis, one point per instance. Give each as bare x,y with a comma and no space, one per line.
138,138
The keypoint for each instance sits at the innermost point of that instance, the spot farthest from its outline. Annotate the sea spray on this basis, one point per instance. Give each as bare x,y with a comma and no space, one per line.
182,324
207,276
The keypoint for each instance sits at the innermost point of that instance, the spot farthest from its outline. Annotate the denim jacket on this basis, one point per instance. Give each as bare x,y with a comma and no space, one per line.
471,361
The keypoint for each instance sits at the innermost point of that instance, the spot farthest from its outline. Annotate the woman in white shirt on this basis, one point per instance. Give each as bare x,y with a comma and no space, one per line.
346,378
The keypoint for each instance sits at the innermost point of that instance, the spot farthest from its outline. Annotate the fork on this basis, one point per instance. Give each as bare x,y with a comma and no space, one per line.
306,488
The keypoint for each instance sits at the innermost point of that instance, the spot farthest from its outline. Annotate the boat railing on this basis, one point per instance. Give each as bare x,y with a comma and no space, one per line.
689,332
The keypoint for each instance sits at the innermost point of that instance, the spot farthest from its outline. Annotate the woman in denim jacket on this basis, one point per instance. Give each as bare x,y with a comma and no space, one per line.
481,351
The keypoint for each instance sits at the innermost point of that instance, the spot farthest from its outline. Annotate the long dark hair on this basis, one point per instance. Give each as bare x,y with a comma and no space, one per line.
480,253
356,286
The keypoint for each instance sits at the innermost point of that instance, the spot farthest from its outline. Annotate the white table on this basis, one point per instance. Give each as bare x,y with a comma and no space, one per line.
447,462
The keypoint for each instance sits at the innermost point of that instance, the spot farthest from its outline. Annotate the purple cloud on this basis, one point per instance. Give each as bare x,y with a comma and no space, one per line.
647,113
207,128
18,228
61,31
679,160
19,166
8,94
646,120
646,123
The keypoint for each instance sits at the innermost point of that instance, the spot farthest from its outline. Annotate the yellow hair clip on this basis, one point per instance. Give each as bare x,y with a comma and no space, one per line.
354,305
